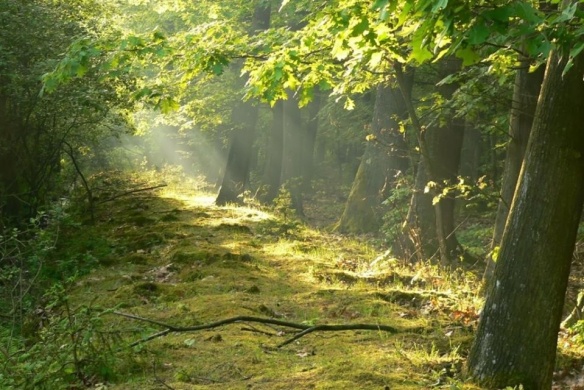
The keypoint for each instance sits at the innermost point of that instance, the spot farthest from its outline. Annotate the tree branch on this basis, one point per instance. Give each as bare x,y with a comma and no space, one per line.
131,192
304,329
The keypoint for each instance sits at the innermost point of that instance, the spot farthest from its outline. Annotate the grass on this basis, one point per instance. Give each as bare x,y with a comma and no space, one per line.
175,257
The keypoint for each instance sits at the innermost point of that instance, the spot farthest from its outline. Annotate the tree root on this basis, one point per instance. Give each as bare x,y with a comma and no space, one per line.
303,329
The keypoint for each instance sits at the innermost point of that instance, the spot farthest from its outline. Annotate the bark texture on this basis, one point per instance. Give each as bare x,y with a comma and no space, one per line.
244,116
525,93
517,334
440,148
383,160
294,149
273,171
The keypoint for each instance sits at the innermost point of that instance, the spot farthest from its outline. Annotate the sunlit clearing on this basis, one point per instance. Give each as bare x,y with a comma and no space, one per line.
180,144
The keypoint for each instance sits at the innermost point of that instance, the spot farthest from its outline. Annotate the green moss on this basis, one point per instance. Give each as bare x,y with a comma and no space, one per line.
202,264
190,256
145,241
137,258
141,220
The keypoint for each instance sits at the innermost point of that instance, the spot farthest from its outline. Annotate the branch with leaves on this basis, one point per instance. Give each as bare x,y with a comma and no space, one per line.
303,328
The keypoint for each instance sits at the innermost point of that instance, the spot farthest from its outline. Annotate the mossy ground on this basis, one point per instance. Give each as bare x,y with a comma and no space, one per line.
171,255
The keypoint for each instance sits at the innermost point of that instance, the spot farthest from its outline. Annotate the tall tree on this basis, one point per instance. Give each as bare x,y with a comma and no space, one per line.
517,334
244,117
294,152
273,169
440,145
385,157
525,94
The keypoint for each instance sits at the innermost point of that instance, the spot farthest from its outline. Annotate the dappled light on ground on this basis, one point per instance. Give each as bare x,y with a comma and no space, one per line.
176,258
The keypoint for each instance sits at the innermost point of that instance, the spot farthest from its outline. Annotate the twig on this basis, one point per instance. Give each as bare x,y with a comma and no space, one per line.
336,328
304,329
131,192
253,329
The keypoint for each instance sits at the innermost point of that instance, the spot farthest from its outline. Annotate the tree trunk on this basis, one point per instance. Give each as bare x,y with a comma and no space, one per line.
445,145
470,156
517,334
440,149
236,173
294,141
244,115
525,93
310,140
445,150
417,241
385,157
8,164
273,173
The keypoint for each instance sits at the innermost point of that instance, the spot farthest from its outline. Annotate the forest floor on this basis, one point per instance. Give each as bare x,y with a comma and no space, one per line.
171,256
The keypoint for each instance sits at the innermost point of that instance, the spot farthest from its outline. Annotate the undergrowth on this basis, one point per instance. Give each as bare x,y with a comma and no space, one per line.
169,255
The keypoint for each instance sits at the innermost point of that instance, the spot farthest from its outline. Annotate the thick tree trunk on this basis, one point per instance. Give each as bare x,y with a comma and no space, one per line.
384,158
273,172
236,174
309,141
525,93
445,145
470,156
294,141
245,115
440,149
517,334
445,150
417,242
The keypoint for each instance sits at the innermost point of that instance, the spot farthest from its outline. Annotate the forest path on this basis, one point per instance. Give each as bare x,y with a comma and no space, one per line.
176,258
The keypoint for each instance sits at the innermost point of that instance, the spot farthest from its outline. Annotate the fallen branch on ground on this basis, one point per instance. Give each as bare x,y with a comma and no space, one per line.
132,192
304,329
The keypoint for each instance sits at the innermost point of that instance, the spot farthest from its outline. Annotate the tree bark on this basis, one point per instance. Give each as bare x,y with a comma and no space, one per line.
440,149
517,334
445,150
294,142
385,158
244,116
525,93
9,167
470,156
273,172
313,109
417,241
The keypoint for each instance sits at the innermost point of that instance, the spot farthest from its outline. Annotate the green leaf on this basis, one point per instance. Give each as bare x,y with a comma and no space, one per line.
376,59
420,54
144,92
379,4
567,13
468,56
500,14
167,105
438,5
478,33
526,12
360,27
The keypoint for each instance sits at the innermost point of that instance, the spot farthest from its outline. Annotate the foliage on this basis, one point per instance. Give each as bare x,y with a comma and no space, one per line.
36,127
397,204
69,347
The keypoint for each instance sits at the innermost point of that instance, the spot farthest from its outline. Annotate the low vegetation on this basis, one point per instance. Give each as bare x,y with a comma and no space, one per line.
170,258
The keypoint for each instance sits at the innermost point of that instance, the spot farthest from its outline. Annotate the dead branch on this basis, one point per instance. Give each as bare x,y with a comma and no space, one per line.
304,329
337,328
131,192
